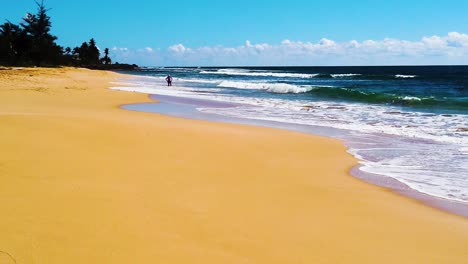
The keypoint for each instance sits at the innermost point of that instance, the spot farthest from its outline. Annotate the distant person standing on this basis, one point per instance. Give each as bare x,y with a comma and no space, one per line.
169,80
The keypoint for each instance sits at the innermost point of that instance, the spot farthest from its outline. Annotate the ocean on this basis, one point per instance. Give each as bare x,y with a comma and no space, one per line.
407,123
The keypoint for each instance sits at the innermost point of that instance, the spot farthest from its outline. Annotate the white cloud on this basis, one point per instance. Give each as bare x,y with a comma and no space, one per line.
327,42
147,50
120,49
449,49
178,48
126,55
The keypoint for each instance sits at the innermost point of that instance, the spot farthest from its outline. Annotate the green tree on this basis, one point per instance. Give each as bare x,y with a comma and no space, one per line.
68,51
88,53
106,59
83,53
14,44
93,52
9,34
37,27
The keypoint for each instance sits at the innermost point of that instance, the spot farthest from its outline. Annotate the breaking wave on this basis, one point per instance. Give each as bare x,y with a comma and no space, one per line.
405,76
241,72
344,75
269,87
355,95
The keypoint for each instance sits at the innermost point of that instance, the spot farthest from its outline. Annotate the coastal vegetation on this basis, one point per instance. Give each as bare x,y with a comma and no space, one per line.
31,43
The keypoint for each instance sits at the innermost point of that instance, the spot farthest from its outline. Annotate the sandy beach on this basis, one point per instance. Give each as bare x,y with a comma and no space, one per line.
83,181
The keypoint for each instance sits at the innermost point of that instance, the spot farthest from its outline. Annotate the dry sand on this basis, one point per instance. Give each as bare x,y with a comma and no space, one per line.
83,181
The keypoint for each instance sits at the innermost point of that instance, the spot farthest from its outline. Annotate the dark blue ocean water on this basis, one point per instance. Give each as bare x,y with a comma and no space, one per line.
407,123
428,88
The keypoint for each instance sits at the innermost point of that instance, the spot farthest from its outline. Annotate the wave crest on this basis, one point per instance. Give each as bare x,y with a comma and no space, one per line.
344,75
240,72
269,87
402,76
376,98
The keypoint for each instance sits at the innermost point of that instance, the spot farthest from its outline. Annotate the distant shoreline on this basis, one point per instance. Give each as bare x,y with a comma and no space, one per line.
104,67
110,67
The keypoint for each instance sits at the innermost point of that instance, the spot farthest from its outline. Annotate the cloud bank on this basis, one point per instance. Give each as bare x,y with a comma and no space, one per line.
449,49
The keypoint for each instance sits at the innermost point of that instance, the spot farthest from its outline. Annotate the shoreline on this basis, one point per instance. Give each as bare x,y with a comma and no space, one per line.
388,140
188,105
86,181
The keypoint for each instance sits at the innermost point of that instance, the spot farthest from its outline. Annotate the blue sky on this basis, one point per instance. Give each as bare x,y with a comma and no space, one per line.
143,31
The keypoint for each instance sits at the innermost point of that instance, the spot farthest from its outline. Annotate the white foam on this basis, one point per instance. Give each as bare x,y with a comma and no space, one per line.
464,150
425,181
150,80
344,75
405,76
270,87
241,72
358,117
195,80
411,98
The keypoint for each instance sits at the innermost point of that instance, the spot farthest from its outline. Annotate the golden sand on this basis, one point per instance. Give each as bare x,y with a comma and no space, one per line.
83,181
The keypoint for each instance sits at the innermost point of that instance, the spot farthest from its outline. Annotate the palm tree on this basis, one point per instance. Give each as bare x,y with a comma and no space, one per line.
107,60
93,52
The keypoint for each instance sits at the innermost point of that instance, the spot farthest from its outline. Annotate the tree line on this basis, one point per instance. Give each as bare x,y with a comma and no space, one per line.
31,43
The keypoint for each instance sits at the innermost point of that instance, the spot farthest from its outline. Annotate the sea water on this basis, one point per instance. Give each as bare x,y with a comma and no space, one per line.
407,123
